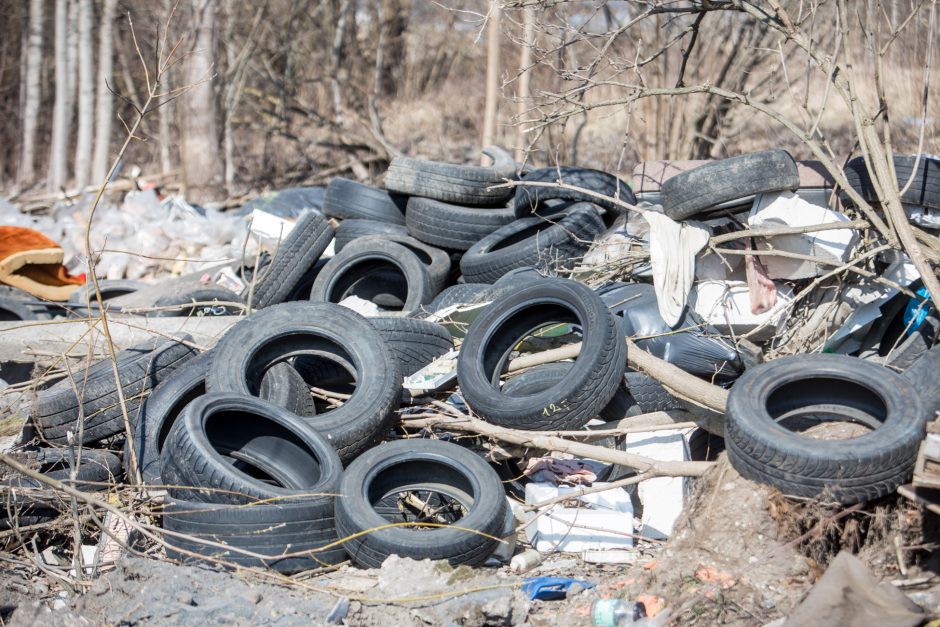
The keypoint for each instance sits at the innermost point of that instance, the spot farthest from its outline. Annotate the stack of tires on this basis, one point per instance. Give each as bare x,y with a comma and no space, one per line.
402,246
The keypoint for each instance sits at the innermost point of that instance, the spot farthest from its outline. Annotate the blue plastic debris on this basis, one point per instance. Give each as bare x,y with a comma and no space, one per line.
916,311
552,588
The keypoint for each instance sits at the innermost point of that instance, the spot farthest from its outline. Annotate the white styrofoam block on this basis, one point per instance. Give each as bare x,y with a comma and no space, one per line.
269,229
663,498
574,529
788,209
726,305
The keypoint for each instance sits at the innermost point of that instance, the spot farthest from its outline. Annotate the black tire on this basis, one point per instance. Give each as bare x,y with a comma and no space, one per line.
184,302
97,471
322,331
267,528
824,388
346,199
460,294
109,288
385,273
415,343
911,348
19,305
141,368
415,465
280,385
541,378
228,448
705,446
553,243
924,190
452,226
697,190
923,375
464,185
303,288
650,394
299,251
434,259
586,389
529,200
349,230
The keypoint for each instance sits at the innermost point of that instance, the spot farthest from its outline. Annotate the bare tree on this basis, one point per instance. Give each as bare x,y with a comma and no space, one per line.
32,93
62,109
105,107
86,93
199,127
492,74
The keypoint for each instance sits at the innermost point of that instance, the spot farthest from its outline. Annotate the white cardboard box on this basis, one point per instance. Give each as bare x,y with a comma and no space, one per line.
663,498
603,523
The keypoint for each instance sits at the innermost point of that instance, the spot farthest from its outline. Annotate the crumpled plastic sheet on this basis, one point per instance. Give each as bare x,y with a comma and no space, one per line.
143,237
691,344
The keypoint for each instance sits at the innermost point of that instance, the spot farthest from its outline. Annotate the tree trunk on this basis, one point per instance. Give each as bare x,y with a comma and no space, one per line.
199,129
105,106
86,93
32,93
62,110
525,77
492,76
394,22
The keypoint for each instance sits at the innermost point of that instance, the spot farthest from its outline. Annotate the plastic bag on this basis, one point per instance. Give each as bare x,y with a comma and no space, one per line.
690,345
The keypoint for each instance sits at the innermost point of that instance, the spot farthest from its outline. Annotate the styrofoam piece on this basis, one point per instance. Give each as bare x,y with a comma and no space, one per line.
786,209
269,229
604,521
663,498
726,305
361,306
611,556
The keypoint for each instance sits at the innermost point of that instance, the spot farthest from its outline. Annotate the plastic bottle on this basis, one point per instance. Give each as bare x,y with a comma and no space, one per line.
616,613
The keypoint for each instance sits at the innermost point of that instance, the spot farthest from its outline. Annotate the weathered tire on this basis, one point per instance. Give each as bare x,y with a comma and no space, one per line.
824,387
109,288
923,376
19,305
349,230
234,449
420,465
415,343
140,368
452,226
924,190
299,251
542,377
385,273
434,259
650,394
347,199
553,242
323,331
699,189
97,471
184,302
459,294
464,185
280,385
270,529
529,200
586,389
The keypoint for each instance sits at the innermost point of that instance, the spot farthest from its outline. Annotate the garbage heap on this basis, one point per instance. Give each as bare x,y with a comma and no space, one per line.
475,357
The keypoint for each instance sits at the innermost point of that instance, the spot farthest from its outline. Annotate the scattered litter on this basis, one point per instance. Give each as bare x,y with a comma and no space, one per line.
553,588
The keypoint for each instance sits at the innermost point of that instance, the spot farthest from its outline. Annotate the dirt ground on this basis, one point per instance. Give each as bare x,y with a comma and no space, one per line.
737,558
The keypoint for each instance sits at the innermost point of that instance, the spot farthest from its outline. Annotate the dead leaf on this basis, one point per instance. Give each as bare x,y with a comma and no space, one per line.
710,574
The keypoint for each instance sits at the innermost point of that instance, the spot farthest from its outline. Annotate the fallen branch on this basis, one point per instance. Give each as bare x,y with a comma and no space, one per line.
653,468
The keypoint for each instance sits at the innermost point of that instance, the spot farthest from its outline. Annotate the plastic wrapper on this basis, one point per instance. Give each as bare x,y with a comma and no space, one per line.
691,344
